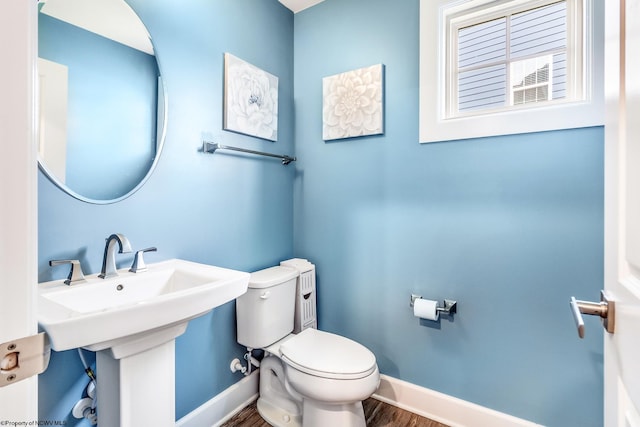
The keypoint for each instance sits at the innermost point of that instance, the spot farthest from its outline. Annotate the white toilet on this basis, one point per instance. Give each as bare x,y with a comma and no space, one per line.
309,379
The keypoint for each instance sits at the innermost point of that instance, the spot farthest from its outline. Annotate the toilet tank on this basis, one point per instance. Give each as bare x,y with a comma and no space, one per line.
265,313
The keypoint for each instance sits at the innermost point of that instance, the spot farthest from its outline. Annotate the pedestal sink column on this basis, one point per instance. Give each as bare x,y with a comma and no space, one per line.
137,390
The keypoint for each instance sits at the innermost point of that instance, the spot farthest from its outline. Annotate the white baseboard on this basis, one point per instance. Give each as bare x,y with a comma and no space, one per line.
225,405
437,406
443,408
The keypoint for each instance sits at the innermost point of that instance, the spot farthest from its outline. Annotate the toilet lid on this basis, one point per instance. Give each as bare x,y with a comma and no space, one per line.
328,355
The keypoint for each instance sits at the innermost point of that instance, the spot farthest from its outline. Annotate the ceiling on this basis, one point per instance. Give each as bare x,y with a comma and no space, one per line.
298,5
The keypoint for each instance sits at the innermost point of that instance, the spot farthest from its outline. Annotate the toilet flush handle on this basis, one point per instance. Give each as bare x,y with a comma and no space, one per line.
265,295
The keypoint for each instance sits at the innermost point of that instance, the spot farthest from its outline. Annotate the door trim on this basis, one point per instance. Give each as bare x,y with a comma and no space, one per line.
18,192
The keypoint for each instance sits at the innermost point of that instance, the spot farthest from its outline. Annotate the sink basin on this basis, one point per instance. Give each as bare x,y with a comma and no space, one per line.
134,309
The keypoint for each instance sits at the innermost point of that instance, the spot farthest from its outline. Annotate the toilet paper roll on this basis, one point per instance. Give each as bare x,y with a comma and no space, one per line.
426,309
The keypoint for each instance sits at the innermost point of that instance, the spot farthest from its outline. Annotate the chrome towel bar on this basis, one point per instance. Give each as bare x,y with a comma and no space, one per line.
211,147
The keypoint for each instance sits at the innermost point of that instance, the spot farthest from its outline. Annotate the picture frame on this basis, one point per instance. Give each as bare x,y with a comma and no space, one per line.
353,103
250,99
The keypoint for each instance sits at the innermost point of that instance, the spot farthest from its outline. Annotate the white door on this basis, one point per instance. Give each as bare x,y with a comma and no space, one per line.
18,198
622,211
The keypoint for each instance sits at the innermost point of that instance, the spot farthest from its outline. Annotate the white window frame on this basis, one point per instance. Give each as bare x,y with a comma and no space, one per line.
438,124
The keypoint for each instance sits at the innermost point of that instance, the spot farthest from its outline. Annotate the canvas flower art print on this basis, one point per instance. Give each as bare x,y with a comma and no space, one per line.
353,103
250,99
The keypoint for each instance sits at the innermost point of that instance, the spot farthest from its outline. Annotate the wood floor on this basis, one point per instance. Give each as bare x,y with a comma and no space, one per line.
377,413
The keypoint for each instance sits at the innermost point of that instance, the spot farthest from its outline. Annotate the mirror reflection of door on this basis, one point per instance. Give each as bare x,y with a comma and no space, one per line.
99,129
53,92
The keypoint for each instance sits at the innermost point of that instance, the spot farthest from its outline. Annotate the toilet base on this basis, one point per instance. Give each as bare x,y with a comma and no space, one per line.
317,414
277,416
275,404
278,406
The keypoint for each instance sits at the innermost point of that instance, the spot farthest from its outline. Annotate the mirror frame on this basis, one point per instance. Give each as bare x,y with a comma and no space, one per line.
160,142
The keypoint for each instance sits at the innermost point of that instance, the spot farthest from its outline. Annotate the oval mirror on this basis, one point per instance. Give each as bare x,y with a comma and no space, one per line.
102,101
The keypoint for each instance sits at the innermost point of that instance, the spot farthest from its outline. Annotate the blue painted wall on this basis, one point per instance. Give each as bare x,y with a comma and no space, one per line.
223,209
509,226
104,161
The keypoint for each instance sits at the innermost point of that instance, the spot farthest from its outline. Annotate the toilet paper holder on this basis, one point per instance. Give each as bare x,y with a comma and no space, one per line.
449,307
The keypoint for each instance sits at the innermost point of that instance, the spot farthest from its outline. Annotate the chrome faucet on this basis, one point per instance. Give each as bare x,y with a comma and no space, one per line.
109,258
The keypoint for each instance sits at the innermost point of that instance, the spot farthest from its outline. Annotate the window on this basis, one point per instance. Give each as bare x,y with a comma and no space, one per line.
510,60
532,80
509,66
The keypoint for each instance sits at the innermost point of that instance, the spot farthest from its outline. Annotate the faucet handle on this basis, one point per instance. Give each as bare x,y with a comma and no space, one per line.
75,275
138,261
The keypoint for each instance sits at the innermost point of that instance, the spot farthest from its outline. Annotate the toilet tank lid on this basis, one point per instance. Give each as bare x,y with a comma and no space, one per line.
271,276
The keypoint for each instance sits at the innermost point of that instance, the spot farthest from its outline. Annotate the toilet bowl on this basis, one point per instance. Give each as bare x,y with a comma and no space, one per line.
310,379
329,367
316,378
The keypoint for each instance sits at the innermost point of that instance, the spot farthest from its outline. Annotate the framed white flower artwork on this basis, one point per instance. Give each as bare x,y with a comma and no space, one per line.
250,99
353,104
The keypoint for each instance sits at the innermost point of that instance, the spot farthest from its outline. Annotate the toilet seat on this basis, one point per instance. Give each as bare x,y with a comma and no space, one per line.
327,355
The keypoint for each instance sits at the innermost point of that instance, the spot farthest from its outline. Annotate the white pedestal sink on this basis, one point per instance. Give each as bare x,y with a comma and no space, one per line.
131,321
